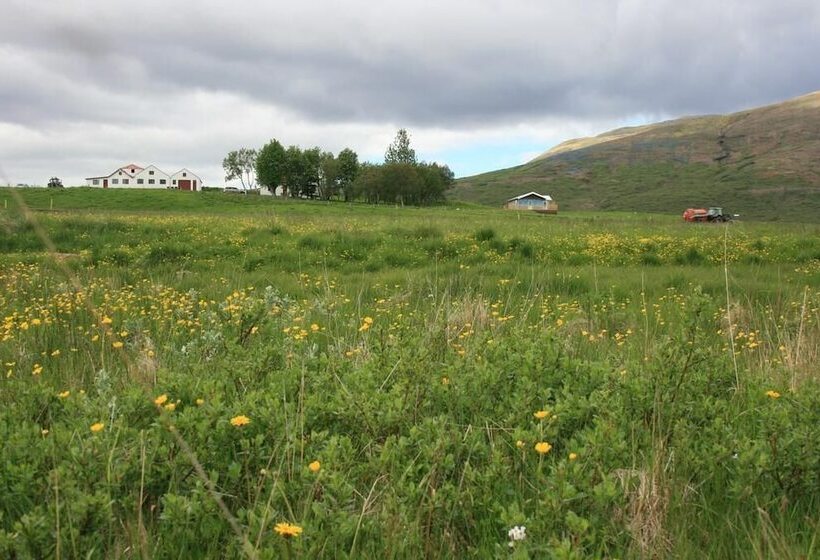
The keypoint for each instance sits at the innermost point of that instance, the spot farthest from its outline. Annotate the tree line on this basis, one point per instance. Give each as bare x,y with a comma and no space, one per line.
315,173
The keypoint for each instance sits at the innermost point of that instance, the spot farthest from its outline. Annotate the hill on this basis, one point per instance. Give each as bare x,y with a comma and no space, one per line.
761,163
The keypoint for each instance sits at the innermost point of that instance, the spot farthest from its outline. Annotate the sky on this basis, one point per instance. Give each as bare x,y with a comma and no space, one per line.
87,86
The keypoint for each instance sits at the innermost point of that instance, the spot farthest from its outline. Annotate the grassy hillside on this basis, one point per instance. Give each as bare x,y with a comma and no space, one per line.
760,163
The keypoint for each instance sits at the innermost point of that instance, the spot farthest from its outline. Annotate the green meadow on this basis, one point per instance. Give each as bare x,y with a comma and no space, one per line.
203,375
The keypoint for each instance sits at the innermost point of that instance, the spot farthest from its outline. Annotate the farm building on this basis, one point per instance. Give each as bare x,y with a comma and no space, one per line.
151,177
533,201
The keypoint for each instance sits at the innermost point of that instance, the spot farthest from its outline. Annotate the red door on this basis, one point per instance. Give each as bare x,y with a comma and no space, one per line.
105,183
184,184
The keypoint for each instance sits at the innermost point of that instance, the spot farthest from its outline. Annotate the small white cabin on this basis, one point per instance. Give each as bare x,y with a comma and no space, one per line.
533,201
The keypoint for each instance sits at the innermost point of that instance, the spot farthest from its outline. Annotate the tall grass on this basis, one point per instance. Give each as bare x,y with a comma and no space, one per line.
407,353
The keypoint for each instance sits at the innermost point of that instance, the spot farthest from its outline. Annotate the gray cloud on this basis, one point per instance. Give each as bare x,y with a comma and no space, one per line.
456,65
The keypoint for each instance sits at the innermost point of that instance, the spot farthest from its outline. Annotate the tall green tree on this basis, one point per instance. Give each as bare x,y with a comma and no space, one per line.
328,176
348,170
241,164
402,183
400,151
368,184
436,179
271,165
311,173
294,171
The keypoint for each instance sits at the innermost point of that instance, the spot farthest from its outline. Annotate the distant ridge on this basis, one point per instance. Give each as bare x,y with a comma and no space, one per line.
763,163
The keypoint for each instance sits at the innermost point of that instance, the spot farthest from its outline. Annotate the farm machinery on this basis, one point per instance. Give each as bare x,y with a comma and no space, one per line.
713,214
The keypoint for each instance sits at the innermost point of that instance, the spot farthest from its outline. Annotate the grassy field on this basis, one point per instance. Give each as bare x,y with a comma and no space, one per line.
205,375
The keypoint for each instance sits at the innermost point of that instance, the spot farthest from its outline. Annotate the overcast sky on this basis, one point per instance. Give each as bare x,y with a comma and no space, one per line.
87,86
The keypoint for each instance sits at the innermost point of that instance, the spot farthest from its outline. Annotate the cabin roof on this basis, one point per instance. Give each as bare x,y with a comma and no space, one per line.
531,193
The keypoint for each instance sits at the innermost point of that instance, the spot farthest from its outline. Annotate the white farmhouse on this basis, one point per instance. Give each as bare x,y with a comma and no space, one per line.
151,177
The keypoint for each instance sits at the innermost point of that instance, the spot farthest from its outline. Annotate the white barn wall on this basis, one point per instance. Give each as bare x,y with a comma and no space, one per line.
185,174
146,176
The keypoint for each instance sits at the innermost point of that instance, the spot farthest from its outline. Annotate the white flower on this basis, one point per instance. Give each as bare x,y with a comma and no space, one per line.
517,533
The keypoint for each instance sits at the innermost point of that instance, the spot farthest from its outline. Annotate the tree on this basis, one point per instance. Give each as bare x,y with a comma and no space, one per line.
271,165
55,183
436,179
368,183
402,183
400,151
294,171
241,164
328,176
348,170
311,172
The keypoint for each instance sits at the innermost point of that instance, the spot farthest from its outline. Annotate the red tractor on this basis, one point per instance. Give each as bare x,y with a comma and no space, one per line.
713,214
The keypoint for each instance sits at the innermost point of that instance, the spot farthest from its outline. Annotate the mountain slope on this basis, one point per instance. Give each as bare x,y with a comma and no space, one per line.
763,163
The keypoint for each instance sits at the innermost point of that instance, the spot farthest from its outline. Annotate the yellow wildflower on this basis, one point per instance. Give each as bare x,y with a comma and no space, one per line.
200,402
37,369
543,447
288,530
97,427
106,320
161,400
117,344
541,414
55,353
573,456
520,444
773,394
64,394
240,420
315,466
314,327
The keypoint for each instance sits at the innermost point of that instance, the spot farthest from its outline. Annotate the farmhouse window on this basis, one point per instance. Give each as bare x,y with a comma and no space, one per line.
139,181
150,172
175,181
115,181
184,174
150,181
125,181
162,181
120,173
96,182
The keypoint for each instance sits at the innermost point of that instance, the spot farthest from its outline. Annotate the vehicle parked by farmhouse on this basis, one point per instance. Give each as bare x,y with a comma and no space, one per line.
713,214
